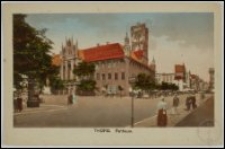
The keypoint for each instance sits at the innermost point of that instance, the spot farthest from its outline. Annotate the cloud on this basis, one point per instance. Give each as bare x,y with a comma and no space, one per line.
173,37
168,53
192,28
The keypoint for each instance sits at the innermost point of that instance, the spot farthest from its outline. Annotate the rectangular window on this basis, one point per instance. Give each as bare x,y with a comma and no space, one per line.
123,76
103,76
97,76
96,66
116,76
109,76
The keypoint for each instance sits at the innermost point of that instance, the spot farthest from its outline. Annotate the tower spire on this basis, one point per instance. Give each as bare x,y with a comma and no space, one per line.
126,39
153,60
72,39
77,43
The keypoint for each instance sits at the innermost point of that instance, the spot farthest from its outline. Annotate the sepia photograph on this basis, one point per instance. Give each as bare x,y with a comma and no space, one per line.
115,72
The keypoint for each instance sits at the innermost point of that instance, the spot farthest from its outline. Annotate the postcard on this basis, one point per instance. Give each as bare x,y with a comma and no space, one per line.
112,74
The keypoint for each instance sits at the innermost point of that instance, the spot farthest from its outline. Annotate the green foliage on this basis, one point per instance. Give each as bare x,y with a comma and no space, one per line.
87,85
144,82
56,83
84,70
30,52
167,86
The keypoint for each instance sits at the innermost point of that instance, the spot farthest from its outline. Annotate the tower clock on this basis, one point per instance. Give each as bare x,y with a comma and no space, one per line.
139,39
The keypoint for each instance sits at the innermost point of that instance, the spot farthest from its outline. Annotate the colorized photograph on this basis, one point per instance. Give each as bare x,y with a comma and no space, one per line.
123,70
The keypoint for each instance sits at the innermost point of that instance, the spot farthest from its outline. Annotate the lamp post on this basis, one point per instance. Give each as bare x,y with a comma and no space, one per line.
131,81
132,108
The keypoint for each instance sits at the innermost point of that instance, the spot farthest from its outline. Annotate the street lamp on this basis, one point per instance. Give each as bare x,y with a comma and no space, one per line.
131,81
132,108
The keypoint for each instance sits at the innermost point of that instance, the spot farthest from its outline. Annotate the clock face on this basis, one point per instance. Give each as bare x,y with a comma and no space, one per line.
142,38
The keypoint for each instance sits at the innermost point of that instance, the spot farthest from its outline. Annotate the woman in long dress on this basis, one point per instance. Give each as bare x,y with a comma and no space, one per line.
162,113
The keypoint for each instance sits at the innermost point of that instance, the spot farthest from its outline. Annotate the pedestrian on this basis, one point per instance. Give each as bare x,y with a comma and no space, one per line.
175,104
70,99
19,103
193,102
74,98
162,113
188,102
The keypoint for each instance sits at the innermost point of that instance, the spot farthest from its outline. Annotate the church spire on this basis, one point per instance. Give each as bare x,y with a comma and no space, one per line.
72,39
126,39
153,60
77,44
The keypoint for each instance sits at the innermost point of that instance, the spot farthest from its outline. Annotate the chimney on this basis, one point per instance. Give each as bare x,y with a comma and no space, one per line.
107,42
98,44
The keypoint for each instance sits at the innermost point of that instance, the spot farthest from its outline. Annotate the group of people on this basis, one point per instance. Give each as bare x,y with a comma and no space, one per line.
191,102
162,118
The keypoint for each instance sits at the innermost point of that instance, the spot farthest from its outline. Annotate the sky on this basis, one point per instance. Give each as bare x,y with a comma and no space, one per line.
174,38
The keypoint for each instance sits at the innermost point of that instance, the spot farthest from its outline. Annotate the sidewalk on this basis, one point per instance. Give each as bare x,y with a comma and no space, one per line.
173,119
202,116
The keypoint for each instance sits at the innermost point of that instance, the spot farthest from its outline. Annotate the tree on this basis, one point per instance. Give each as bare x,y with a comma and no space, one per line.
87,85
168,86
164,86
144,82
56,83
85,72
31,50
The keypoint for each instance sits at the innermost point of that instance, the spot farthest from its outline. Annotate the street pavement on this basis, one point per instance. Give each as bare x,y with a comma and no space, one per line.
202,116
96,111
179,119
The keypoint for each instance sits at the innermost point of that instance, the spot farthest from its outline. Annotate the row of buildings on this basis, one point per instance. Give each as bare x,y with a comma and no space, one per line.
118,64
185,79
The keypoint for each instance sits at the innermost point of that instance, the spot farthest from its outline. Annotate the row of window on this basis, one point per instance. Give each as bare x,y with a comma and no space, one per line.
108,64
110,76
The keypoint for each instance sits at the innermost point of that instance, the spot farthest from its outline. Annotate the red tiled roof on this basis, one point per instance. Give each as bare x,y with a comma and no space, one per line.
139,62
102,52
56,60
139,54
193,76
179,68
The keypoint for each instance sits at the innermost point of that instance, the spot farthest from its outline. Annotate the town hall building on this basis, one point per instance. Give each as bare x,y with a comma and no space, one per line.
115,64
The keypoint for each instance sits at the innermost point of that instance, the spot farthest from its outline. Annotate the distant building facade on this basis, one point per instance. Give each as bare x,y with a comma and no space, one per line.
179,77
165,77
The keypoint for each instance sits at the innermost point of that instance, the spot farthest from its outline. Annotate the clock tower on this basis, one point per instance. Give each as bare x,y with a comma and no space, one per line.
139,40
